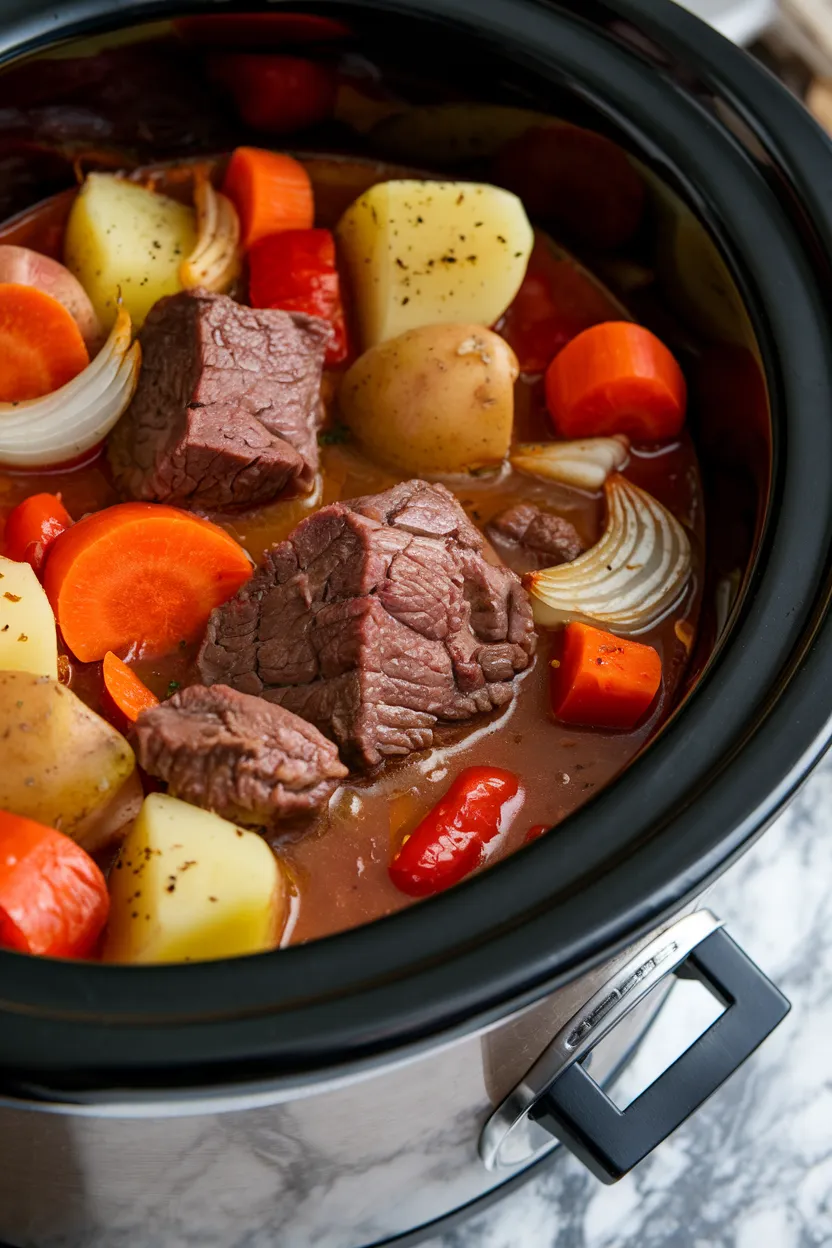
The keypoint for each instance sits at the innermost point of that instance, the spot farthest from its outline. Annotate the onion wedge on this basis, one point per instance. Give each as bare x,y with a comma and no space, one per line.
629,580
216,260
585,463
40,433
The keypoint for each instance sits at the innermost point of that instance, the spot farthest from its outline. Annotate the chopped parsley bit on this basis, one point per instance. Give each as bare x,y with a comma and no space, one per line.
335,436
173,685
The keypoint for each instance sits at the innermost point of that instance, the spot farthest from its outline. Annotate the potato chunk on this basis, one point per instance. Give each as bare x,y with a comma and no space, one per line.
421,253
437,399
61,763
123,237
189,886
28,641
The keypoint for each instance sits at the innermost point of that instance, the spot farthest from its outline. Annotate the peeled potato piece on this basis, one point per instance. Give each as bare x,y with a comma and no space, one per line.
61,763
189,886
421,253
121,237
439,399
28,640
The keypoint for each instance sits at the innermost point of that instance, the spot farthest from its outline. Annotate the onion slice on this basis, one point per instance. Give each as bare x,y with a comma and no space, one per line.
629,580
40,433
585,463
216,260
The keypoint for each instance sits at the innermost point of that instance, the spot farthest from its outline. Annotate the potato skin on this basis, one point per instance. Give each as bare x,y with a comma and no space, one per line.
62,763
439,399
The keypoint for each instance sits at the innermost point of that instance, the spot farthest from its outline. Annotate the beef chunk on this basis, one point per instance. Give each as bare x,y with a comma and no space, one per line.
226,407
374,620
528,538
245,758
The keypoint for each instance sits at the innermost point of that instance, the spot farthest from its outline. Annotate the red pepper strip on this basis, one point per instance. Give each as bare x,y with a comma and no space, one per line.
33,526
449,842
296,270
53,897
534,834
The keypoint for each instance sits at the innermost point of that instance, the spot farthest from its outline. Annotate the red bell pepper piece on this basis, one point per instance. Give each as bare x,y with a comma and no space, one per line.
277,94
534,833
296,270
33,526
450,842
53,897
555,303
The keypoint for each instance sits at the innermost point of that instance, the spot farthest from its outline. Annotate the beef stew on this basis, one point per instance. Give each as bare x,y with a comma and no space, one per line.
342,553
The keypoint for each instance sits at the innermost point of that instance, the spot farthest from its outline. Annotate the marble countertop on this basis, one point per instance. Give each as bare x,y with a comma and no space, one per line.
753,1169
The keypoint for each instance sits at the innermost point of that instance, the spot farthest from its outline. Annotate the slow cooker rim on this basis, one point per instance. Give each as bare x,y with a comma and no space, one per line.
510,964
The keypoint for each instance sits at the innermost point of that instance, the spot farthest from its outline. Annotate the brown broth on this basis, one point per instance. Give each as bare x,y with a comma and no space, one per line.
338,859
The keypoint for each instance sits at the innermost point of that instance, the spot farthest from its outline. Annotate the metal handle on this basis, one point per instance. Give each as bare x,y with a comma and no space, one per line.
611,1141
558,1101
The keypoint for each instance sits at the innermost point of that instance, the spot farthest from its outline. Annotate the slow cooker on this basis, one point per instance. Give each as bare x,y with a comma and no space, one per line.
363,1089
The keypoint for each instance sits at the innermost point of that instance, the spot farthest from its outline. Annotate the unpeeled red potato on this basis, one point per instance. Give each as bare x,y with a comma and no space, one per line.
25,267
439,399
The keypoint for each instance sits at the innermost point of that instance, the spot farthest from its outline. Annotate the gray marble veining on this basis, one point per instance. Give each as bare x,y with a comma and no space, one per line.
754,1168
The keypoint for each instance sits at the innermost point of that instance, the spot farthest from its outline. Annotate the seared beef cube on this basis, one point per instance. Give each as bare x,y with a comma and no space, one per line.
225,412
245,758
528,538
374,620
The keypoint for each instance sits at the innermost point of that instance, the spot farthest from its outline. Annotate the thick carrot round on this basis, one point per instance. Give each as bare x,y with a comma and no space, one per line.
130,695
140,578
53,897
32,528
41,347
270,191
603,681
616,378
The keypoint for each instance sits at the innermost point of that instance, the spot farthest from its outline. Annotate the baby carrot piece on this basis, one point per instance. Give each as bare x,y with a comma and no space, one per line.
616,378
41,347
140,576
53,897
270,191
32,527
130,695
604,681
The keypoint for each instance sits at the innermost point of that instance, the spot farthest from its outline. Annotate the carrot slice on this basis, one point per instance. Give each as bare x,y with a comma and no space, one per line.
140,577
616,378
41,347
32,528
53,897
270,191
130,695
604,681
